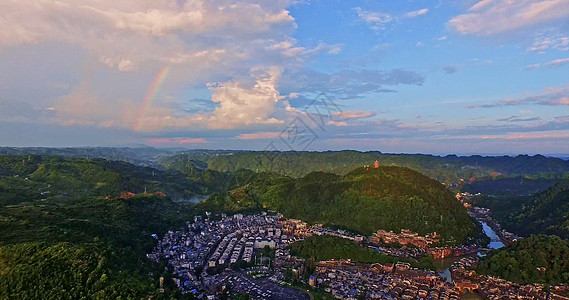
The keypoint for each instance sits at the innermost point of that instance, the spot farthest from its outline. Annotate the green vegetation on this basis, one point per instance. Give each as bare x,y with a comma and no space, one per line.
509,186
142,156
543,213
66,232
537,259
448,169
72,242
26,177
317,294
212,180
320,294
364,201
331,247
66,271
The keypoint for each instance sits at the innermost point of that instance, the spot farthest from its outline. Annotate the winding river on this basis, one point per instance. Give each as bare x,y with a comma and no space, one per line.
495,242
443,265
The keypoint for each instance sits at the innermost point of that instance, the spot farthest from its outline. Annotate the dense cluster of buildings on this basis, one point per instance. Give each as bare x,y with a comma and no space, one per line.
346,280
301,229
491,287
406,237
218,244
242,239
406,252
452,251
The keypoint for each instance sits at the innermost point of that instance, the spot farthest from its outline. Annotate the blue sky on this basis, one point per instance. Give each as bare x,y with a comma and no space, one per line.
437,77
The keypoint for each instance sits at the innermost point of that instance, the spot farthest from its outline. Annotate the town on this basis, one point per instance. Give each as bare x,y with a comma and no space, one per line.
250,254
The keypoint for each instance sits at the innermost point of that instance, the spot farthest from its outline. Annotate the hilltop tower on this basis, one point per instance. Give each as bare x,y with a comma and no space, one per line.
376,164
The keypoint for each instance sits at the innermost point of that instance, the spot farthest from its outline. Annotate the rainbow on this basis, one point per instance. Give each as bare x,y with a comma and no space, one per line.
153,89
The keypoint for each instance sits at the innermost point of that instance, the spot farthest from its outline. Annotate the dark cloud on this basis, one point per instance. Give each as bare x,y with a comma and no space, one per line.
449,69
518,119
554,96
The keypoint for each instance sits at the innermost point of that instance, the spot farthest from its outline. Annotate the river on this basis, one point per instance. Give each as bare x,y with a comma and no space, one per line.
495,242
443,265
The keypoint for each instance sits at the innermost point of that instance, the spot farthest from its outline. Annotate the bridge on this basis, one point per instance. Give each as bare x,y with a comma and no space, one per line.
467,286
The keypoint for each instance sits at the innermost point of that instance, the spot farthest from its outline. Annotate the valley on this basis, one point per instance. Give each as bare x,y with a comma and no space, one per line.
251,232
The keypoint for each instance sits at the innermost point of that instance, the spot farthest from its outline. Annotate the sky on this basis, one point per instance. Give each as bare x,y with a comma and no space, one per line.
410,76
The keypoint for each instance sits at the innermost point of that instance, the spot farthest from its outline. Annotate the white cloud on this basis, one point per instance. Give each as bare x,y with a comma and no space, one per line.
337,123
417,13
374,19
488,17
533,66
288,48
241,106
293,95
543,43
201,40
552,64
126,34
259,135
558,62
354,114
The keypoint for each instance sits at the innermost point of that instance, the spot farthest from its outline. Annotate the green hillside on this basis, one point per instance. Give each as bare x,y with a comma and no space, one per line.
80,240
213,181
537,259
543,213
391,198
32,175
509,186
84,249
330,247
448,169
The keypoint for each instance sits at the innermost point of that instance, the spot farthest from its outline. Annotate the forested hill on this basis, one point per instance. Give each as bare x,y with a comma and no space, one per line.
537,259
447,169
363,200
67,231
57,176
509,186
543,213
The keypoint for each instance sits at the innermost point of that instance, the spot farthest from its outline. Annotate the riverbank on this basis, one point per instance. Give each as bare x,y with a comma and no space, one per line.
484,216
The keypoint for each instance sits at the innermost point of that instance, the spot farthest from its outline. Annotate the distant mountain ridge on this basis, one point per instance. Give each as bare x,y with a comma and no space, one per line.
136,155
509,186
32,175
449,169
